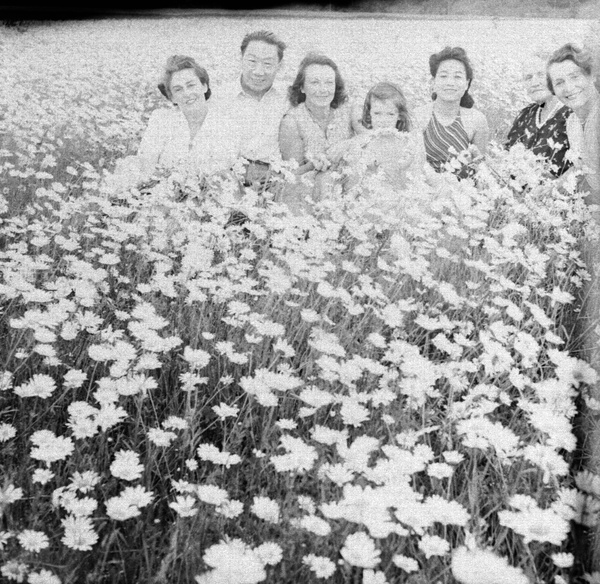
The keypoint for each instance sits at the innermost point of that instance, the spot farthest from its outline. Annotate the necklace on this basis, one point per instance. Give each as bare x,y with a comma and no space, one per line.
555,108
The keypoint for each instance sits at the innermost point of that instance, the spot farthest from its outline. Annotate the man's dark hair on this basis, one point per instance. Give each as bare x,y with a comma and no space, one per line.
264,36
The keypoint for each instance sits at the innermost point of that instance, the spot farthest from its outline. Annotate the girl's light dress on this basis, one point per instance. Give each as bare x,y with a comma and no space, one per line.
383,173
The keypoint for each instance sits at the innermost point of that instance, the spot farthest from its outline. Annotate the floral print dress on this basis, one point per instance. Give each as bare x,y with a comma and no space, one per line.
548,139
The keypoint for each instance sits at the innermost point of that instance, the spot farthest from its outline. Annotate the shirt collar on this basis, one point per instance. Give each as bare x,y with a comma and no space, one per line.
241,92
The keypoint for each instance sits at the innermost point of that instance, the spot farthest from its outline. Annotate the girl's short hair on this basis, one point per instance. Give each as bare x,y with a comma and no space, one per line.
179,63
454,54
295,93
569,52
386,91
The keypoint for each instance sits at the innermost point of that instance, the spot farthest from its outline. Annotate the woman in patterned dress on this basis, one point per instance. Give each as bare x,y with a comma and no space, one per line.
542,125
320,117
451,126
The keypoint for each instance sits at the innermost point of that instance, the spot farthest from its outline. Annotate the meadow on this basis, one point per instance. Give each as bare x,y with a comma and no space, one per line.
319,399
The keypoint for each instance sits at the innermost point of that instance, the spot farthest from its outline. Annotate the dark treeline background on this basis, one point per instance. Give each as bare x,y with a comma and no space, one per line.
17,14
485,8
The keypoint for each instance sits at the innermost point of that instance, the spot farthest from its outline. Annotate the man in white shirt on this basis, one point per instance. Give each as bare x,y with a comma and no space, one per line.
254,105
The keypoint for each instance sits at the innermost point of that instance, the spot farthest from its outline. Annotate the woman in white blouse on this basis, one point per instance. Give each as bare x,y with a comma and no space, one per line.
189,135
570,77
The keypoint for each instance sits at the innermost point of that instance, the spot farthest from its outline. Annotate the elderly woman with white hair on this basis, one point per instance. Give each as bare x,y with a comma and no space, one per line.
541,126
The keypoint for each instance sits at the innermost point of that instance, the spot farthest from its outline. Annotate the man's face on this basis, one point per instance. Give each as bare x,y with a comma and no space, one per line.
260,63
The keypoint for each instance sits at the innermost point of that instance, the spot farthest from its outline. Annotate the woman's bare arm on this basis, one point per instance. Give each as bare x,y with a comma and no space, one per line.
291,145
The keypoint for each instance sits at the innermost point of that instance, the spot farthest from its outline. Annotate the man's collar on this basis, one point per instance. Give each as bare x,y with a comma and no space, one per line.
273,90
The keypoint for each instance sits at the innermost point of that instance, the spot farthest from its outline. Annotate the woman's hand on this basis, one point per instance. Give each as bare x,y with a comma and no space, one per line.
338,151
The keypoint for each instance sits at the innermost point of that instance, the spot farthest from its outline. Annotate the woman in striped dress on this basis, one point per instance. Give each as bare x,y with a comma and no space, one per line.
454,132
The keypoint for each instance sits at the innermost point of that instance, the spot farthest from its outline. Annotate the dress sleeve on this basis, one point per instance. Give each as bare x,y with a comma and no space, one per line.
153,140
515,133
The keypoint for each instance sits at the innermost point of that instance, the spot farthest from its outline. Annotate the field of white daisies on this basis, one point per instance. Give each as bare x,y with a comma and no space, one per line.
331,399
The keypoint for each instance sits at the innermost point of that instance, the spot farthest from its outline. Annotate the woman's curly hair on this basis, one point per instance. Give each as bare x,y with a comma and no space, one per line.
295,91
179,63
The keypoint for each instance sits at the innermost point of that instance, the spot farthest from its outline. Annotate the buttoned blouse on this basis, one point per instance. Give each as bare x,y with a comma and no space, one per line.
584,139
315,139
167,143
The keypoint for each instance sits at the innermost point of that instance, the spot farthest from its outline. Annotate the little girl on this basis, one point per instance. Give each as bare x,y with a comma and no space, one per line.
380,164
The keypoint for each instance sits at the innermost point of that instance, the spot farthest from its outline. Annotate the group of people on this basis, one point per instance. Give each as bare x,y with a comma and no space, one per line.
314,124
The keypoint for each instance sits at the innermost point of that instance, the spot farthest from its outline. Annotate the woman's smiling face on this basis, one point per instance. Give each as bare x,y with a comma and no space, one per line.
450,81
187,91
571,84
319,85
